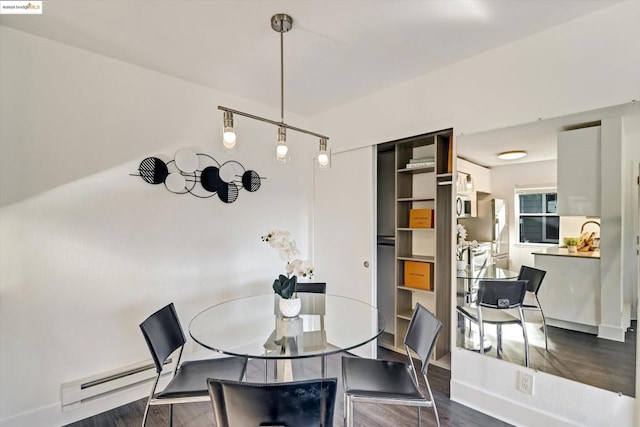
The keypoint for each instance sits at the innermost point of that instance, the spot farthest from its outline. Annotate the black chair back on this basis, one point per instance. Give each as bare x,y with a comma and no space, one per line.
163,334
501,294
312,287
422,334
534,277
292,404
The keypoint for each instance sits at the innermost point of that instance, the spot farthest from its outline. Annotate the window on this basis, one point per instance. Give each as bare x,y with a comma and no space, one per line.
538,220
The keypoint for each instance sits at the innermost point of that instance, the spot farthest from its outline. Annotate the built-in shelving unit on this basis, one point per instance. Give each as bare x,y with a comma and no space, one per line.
426,187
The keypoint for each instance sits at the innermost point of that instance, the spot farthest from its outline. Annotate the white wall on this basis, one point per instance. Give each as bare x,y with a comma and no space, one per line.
505,180
586,64
84,263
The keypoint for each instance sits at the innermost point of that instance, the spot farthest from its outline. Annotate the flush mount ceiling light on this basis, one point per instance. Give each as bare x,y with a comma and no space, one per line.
280,23
512,155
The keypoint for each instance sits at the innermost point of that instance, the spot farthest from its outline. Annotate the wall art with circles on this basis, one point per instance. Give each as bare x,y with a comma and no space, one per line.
200,175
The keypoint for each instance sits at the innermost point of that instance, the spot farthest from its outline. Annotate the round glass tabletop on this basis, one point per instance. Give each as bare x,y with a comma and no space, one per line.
491,272
253,327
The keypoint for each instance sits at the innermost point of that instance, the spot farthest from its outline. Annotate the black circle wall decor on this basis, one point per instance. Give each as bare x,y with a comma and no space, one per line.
210,179
181,176
228,192
153,170
251,181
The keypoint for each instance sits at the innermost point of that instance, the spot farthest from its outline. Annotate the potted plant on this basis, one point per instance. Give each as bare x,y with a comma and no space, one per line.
572,244
285,286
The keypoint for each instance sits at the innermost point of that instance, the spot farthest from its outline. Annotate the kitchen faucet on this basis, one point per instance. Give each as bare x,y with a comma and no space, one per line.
590,222
596,240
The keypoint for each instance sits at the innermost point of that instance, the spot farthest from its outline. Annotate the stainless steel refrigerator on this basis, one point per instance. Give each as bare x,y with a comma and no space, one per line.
491,226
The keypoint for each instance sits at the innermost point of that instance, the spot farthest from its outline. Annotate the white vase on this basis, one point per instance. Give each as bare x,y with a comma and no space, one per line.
290,307
572,249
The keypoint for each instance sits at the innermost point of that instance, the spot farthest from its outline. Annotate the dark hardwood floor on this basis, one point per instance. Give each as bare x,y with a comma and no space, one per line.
365,415
577,356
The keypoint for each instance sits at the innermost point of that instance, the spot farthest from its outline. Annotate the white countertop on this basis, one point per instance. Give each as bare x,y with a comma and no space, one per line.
557,251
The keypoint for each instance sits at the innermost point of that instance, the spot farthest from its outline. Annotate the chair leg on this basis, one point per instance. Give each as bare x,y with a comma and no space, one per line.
433,401
544,325
171,415
146,410
499,333
348,410
419,418
324,366
526,340
481,329
146,413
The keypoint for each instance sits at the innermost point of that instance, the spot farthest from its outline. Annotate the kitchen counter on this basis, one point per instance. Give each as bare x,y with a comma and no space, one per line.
570,291
557,251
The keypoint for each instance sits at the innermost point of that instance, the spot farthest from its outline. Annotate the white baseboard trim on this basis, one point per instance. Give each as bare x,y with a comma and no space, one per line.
52,415
611,332
503,409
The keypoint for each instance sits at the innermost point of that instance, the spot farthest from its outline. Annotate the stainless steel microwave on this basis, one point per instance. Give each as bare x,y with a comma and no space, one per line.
463,206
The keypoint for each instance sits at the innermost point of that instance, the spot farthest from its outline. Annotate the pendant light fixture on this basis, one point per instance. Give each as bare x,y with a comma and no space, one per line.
468,183
280,23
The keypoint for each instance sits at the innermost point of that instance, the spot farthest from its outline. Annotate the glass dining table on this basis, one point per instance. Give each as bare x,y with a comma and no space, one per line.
253,327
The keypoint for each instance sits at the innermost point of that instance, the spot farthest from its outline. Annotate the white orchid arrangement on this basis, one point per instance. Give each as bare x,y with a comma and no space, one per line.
462,243
285,286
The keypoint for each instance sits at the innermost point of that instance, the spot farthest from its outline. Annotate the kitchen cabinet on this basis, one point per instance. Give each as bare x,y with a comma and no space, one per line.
480,174
570,292
579,172
481,177
423,248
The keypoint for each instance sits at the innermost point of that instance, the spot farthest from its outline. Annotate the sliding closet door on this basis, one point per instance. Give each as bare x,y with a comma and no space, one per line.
343,235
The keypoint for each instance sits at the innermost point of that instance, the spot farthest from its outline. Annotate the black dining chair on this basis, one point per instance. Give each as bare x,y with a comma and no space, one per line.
288,404
499,302
534,278
164,335
394,383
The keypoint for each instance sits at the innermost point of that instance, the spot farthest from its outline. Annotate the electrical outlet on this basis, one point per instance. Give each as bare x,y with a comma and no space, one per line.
525,382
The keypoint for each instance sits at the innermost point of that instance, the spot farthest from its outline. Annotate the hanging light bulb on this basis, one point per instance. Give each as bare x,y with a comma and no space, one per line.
228,132
282,150
324,156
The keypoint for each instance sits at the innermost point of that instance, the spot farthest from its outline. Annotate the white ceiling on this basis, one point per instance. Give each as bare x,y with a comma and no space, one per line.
538,139
337,50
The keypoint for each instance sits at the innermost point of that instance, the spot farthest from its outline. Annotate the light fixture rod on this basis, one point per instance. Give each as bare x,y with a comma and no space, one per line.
273,122
282,76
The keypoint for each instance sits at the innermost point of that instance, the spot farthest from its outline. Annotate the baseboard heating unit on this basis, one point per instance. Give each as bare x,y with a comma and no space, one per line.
84,390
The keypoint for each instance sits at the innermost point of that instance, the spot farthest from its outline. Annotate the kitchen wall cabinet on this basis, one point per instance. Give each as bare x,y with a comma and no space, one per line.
480,174
427,248
481,177
579,172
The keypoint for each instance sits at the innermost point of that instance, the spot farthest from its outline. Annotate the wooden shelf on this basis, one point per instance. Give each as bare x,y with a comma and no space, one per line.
408,288
415,228
406,314
416,199
418,258
412,171
386,340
